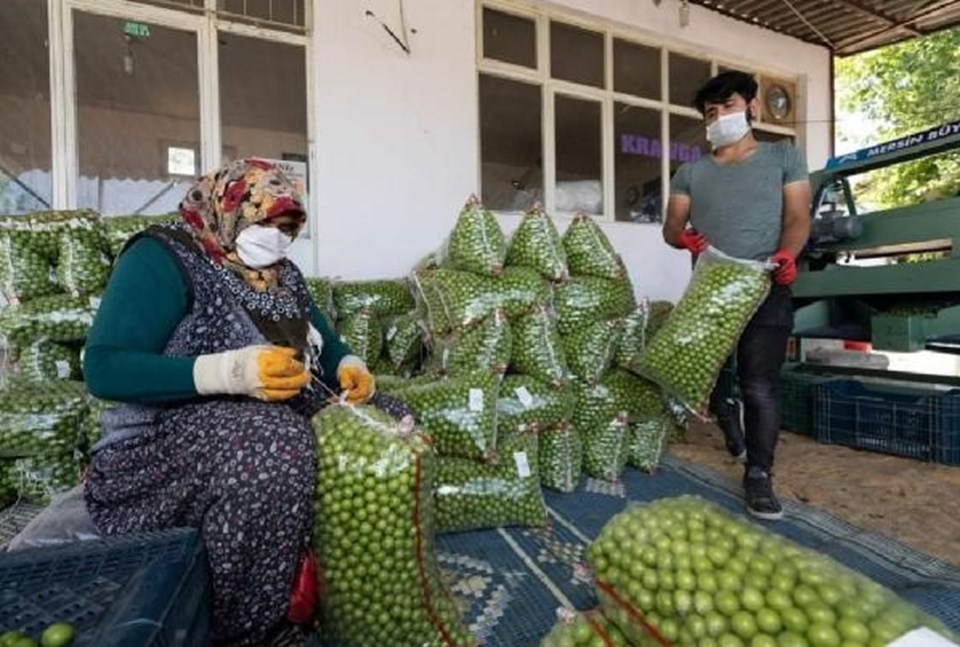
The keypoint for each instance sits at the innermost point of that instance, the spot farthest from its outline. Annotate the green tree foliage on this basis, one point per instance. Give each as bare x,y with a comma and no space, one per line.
905,88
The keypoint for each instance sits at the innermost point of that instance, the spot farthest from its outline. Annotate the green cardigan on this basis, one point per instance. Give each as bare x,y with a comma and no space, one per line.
144,302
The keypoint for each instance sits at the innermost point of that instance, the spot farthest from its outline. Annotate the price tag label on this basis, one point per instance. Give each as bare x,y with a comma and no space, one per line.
95,303
63,369
524,396
523,466
476,400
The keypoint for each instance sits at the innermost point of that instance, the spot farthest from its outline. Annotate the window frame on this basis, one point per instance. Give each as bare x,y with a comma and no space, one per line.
607,96
206,26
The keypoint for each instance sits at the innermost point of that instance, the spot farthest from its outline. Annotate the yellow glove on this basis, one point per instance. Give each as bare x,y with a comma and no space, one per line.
264,372
355,380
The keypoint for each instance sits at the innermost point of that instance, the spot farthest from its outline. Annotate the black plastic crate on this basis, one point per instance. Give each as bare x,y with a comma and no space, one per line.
148,589
915,424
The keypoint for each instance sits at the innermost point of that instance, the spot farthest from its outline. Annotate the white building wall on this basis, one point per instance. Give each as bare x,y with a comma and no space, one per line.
397,147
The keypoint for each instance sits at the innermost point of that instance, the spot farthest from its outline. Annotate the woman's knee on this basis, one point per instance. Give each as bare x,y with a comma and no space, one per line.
258,445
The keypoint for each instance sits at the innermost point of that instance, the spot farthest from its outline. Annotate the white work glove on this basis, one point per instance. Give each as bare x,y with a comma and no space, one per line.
263,372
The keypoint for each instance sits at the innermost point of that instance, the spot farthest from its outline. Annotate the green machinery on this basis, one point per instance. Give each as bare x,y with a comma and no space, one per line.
857,279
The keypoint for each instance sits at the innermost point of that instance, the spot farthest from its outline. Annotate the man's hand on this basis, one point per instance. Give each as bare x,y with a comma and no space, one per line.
786,272
693,241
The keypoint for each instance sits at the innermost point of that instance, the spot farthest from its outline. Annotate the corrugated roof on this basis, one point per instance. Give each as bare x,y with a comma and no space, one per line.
845,26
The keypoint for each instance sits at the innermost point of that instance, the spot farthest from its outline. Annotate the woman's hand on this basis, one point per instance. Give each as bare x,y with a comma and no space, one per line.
269,373
355,380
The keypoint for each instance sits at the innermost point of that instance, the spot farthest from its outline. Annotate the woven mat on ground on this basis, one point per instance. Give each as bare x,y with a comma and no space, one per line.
512,581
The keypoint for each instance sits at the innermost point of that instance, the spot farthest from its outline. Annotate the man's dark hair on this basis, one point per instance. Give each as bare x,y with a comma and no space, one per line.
723,86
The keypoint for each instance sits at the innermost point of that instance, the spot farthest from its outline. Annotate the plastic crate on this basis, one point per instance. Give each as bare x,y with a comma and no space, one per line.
796,396
148,589
796,400
915,424
948,439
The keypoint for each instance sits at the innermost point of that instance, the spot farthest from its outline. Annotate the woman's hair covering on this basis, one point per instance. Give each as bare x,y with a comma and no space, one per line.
224,202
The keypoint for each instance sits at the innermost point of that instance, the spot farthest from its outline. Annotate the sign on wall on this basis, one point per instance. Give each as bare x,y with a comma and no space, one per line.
650,147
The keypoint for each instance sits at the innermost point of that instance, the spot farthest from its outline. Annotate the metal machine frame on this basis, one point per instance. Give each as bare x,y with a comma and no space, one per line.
883,302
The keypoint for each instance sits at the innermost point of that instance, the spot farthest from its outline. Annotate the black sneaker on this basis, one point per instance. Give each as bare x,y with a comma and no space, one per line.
731,424
758,493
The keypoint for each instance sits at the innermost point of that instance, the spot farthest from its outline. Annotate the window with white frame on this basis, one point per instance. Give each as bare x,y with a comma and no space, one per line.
583,116
144,95
282,14
26,182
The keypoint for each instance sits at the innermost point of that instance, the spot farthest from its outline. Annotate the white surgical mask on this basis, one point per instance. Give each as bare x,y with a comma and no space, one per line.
728,129
259,246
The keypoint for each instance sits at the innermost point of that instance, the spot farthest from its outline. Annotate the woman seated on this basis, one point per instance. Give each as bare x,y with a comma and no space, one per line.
208,337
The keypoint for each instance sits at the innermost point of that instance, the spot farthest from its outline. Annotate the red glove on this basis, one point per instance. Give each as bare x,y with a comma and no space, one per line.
303,595
786,272
693,241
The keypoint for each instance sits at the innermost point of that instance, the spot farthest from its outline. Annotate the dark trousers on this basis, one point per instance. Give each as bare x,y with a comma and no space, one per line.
760,354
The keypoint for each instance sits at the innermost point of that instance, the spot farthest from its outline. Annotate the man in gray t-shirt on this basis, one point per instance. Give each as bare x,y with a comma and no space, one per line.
748,199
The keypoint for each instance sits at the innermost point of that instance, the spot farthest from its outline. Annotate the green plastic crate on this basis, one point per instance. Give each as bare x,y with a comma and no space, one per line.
899,333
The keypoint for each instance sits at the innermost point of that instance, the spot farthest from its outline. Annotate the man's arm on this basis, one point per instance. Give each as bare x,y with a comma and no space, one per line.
678,213
796,217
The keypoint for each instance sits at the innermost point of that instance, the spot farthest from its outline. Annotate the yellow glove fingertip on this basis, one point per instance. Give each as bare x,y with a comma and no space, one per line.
276,395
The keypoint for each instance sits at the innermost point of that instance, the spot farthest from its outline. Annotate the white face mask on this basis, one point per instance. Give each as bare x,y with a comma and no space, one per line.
728,129
259,246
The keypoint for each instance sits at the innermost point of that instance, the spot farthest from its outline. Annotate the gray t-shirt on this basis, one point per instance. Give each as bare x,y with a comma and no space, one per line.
739,206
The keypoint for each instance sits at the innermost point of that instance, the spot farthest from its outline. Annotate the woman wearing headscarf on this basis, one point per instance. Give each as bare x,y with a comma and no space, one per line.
208,337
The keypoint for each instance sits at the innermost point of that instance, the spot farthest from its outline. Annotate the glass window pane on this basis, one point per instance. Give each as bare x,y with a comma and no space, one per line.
282,12
579,158
509,38
636,69
25,181
511,157
270,129
727,68
688,141
576,54
687,75
137,98
638,151
187,4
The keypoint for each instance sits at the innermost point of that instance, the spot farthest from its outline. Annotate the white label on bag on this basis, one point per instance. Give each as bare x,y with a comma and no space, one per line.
63,369
391,333
476,400
523,466
524,396
95,303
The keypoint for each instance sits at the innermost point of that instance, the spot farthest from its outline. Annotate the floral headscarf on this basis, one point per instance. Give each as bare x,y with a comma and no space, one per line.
225,202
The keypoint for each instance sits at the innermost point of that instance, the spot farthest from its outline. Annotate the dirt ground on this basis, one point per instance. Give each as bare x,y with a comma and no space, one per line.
914,502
